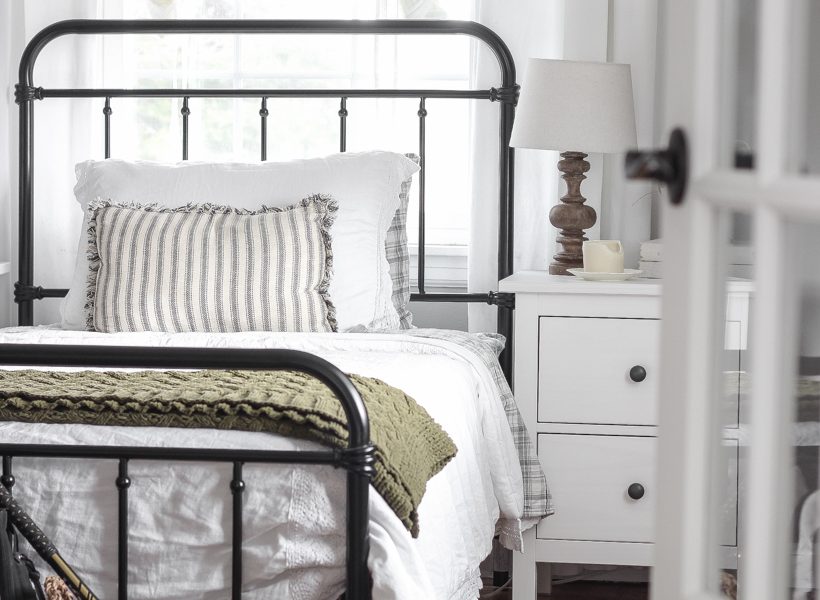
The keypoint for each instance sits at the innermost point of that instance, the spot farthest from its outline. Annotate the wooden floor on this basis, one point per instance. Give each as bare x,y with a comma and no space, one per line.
587,590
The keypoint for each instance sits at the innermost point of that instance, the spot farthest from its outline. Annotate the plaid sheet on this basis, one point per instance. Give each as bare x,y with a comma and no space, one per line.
487,346
398,255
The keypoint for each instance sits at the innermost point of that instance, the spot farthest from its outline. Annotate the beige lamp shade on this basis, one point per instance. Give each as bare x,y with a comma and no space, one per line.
575,106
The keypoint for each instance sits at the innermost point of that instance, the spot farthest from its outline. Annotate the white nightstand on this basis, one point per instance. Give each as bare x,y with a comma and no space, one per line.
586,381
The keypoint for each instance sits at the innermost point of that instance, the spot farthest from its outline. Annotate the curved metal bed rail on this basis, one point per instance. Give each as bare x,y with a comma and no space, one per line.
357,458
282,26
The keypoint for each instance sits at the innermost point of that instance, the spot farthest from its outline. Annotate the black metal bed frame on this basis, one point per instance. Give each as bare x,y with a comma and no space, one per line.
357,458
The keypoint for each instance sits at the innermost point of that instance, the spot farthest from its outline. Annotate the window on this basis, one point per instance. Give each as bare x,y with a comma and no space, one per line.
229,129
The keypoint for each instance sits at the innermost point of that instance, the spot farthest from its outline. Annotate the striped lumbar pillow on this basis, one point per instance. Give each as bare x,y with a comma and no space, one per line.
210,268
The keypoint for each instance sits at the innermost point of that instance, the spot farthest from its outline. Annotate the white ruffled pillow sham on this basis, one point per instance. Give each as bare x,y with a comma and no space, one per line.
365,185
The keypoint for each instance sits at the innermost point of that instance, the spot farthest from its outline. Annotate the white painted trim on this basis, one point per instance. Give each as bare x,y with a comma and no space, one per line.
794,196
599,553
542,282
705,463
439,250
685,446
445,267
729,433
769,490
596,429
766,565
628,554
737,190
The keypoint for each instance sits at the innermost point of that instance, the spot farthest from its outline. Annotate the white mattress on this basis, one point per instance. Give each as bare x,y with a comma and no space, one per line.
294,520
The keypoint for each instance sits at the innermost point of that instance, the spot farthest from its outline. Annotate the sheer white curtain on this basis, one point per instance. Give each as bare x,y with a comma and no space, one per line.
64,134
7,147
530,28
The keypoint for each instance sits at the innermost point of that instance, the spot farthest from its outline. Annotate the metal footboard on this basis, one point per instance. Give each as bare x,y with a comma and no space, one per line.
357,458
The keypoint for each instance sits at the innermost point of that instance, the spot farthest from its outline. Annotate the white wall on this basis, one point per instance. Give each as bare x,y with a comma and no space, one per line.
626,211
621,31
812,156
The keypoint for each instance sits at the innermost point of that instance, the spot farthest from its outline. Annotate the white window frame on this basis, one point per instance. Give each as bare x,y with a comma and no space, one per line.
446,263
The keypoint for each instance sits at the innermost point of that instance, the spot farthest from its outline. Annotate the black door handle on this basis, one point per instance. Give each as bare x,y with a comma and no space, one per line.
637,373
669,166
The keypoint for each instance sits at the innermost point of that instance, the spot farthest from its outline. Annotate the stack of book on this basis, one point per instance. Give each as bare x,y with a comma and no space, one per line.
651,259
651,263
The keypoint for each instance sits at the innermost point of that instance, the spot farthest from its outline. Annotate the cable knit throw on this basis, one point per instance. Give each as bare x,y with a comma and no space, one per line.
410,446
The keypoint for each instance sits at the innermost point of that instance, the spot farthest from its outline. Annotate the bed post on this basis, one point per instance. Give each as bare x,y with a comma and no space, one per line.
24,96
507,96
506,302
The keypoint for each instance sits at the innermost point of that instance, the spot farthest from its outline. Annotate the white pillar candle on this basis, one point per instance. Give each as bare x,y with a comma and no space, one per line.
603,256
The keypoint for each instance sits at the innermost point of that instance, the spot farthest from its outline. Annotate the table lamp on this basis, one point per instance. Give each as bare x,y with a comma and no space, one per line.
576,108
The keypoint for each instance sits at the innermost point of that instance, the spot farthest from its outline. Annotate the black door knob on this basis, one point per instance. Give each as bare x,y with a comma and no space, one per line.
669,165
636,491
637,373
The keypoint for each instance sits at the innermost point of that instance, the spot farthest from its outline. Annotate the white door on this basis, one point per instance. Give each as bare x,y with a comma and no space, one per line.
742,79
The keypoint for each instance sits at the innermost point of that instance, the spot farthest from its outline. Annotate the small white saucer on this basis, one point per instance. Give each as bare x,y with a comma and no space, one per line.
597,276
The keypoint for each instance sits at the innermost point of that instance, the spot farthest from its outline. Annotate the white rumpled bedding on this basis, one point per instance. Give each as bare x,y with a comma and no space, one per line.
294,516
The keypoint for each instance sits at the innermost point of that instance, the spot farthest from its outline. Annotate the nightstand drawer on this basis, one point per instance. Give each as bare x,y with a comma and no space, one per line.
590,478
593,370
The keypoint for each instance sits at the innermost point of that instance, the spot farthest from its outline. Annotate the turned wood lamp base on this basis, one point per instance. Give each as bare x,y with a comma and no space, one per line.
572,216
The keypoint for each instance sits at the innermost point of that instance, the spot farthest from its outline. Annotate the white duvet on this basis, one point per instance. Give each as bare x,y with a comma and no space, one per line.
294,516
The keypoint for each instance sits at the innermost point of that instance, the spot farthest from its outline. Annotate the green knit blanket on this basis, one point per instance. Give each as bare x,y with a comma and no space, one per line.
410,446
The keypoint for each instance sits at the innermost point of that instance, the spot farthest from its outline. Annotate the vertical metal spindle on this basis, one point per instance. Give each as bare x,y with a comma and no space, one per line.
237,487
123,483
7,479
358,541
107,112
185,112
263,115
25,226
422,113
343,125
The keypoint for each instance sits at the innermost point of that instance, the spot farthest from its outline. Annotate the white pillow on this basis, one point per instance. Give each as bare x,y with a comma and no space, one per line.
365,185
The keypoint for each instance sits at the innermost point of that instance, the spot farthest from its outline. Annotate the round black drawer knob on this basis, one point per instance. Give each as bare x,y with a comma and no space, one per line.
636,491
637,373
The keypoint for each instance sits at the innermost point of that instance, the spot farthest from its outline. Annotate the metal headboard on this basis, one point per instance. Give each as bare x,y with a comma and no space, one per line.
26,93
